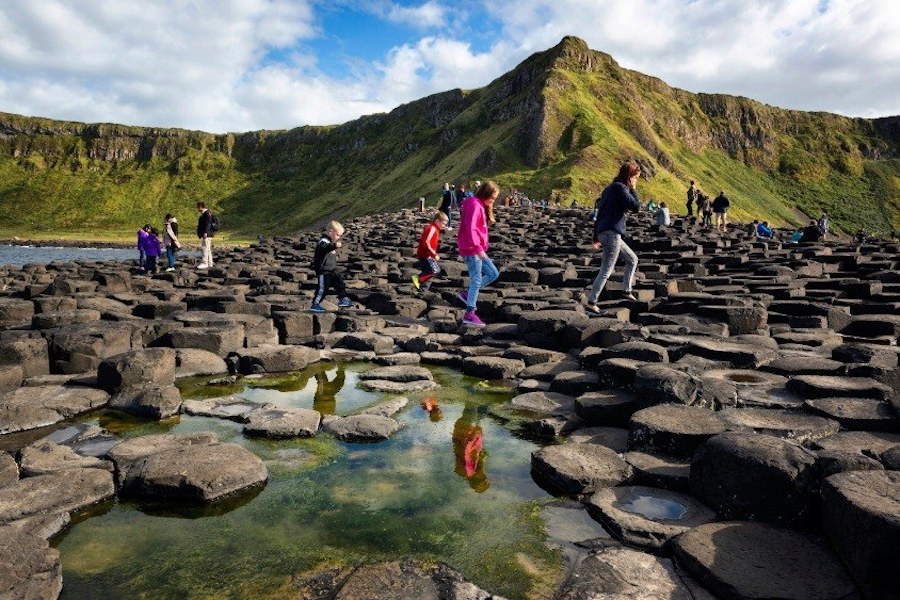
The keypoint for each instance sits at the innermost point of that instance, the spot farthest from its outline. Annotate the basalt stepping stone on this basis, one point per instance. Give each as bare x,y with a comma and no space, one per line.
823,386
752,476
398,373
891,458
615,438
533,356
636,350
273,358
646,517
622,573
492,367
766,397
363,427
673,429
191,362
866,354
29,567
547,371
861,517
787,424
550,403
574,383
44,457
60,491
9,470
225,407
397,387
578,468
863,414
139,367
617,373
32,407
791,366
610,407
870,443
150,401
401,358
661,384
274,422
658,471
742,356
754,560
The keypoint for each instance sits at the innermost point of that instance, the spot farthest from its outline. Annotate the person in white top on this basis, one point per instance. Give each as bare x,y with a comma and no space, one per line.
661,216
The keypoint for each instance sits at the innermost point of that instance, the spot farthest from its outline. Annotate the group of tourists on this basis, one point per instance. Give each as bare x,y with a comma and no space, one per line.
708,208
150,247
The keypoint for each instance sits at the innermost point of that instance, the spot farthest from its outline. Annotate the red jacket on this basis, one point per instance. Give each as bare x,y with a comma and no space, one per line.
428,244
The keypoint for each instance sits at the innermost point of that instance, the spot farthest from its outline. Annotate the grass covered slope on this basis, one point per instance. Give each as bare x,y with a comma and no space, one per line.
557,126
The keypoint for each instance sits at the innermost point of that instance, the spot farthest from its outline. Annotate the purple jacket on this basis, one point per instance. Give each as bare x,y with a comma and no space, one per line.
150,244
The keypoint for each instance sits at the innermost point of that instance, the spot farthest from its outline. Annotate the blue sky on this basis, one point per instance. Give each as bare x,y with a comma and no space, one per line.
239,65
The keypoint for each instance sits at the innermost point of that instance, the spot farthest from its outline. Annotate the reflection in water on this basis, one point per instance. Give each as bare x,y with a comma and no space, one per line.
430,406
325,400
468,447
654,508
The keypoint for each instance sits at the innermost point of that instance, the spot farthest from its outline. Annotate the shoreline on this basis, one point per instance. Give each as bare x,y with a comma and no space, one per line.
116,244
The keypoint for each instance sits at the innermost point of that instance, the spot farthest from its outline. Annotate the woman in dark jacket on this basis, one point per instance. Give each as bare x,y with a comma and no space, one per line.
619,198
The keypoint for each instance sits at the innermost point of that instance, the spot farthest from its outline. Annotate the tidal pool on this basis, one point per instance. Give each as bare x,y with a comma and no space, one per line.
453,485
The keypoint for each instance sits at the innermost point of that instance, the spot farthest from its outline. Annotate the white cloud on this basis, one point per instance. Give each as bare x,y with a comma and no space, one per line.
239,65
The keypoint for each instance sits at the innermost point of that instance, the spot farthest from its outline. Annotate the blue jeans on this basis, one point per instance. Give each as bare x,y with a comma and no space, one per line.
482,272
613,247
170,254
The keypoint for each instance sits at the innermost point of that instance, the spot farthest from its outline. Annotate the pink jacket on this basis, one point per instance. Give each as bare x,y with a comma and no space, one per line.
473,232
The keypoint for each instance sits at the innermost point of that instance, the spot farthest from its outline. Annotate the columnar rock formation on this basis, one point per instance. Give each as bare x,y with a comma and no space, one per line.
744,403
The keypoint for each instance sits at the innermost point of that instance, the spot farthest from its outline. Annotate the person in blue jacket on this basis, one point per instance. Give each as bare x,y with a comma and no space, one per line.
619,197
764,231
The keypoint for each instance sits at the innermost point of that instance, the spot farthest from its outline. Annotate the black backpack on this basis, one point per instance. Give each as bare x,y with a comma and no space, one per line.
213,223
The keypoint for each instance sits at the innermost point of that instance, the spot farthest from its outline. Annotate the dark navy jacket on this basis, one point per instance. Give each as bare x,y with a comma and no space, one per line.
612,205
324,259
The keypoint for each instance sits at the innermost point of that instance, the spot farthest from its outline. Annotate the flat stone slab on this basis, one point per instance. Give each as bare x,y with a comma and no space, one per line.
824,386
150,401
754,560
545,403
673,429
44,457
276,358
579,468
9,470
225,407
29,567
274,422
38,406
660,471
363,427
492,367
388,408
861,517
137,368
398,373
61,491
756,477
397,387
787,424
191,362
623,574
856,413
614,438
193,468
609,407
746,356
646,517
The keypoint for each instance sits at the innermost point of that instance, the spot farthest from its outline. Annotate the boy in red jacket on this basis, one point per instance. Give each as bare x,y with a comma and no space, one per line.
427,252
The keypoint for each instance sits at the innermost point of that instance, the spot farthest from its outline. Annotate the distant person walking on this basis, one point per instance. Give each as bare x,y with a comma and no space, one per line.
704,207
476,213
691,197
720,208
170,238
447,205
619,198
205,231
823,225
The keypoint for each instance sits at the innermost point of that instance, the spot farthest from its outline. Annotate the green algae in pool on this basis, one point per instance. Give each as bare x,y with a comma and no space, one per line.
453,485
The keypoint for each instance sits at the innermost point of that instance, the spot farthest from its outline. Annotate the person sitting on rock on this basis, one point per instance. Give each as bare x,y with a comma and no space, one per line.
662,217
764,231
811,233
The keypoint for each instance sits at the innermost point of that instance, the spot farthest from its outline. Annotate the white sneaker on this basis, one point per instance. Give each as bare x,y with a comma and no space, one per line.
202,266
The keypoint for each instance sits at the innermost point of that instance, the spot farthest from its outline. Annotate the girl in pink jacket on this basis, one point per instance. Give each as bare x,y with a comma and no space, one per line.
476,213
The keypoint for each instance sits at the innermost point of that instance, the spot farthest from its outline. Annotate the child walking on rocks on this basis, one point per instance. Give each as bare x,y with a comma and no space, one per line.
476,213
427,252
325,265
619,198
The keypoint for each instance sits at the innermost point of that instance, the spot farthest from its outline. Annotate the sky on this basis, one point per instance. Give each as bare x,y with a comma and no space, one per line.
243,65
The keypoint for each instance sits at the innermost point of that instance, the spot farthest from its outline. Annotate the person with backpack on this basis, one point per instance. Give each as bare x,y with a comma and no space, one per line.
207,226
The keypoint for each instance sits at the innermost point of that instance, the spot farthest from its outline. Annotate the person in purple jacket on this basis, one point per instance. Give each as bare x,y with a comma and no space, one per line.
142,234
476,213
619,197
152,250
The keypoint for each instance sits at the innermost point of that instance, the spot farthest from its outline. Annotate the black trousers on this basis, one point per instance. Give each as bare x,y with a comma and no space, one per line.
326,280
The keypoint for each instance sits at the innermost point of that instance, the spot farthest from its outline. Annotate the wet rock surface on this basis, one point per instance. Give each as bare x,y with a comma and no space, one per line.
754,366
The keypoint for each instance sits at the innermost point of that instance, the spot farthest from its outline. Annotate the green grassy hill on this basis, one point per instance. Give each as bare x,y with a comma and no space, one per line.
557,126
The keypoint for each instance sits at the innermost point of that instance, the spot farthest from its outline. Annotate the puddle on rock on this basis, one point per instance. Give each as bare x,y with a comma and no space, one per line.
452,485
654,508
